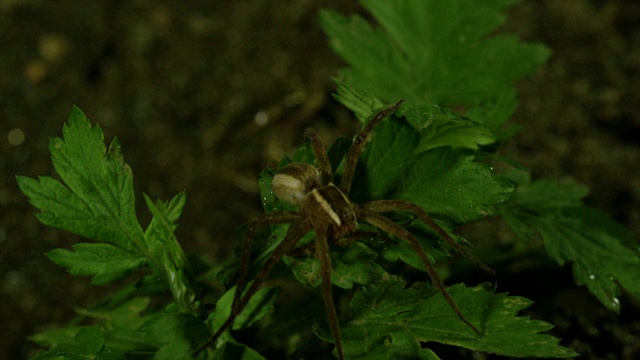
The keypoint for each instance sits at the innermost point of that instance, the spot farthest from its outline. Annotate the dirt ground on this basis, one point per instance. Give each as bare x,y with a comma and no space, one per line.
182,85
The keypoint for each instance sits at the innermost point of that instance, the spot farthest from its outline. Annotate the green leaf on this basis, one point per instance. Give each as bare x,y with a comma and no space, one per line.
431,51
398,249
87,344
600,260
390,316
121,315
260,305
449,183
494,113
168,255
104,262
604,255
175,335
353,263
97,201
384,160
362,104
442,127
55,336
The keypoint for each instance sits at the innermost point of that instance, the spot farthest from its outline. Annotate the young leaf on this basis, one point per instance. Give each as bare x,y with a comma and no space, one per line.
166,253
97,201
604,256
431,51
104,262
362,104
389,316
442,127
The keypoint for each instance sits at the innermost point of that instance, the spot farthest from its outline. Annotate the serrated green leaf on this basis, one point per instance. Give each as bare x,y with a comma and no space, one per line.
590,241
442,127
431,51
122,315
494,113
119,322
97,201
604,255
390,315
87,344
397,249
351,264
104,262
384,160
175,335
168,255
362,104
449,183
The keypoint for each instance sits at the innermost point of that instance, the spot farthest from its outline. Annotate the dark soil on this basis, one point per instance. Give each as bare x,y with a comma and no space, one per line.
181,84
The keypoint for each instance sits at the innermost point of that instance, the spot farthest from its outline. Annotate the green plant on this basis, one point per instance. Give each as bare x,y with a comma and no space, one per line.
432,54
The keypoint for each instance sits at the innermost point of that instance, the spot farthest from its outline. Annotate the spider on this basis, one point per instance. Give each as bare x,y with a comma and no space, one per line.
326,209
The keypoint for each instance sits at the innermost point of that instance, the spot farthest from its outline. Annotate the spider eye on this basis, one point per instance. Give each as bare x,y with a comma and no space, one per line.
294,181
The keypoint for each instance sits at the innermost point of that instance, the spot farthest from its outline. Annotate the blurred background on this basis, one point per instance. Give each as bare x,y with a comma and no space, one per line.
204,94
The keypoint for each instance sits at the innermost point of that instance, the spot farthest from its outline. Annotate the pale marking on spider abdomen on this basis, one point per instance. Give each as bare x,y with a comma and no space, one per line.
289,188
326,207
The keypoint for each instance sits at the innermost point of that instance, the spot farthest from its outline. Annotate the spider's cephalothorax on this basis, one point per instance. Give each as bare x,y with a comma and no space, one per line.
324,205
326,209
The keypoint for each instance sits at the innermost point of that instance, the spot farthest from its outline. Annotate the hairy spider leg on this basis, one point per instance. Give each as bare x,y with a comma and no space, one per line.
398,231
322,243
349,240
381,206
321,155
274,218
297,230
323,254
359,144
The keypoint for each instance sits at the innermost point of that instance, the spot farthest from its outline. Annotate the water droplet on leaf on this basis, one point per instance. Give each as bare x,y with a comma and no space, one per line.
615,304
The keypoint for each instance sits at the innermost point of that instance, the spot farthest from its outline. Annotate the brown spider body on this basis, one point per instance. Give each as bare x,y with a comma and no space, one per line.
326,209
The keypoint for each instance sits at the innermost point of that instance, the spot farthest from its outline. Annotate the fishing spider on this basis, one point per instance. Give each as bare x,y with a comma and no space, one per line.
326,209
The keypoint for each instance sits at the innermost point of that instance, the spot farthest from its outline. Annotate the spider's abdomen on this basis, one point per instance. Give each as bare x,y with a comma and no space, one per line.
327,207
294,181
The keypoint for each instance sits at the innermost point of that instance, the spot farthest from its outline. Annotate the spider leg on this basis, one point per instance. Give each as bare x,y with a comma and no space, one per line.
295,233
358,146
398,231
351,239
380,206
322,251
273,218
321,155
